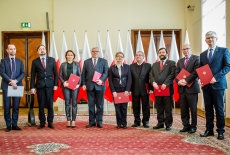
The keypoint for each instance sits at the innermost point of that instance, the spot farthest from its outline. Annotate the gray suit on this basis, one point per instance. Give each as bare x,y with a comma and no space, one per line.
95,92
70,95
189,95
164,76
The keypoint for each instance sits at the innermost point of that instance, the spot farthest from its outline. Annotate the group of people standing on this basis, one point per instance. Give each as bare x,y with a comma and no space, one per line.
138,80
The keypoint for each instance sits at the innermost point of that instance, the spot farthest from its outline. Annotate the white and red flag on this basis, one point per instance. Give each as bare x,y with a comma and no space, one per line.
129,57
162,43
75,47
53,53
63,48
43,39
173,55
98,44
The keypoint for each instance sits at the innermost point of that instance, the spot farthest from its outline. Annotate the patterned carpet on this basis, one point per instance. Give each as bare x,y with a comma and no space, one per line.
109,140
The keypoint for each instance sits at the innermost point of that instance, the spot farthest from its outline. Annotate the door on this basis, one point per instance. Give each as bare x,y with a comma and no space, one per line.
26,43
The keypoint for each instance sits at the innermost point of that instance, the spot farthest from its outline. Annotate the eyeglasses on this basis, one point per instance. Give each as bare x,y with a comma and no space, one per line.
185,49
138,55
95,51
210,38
119,56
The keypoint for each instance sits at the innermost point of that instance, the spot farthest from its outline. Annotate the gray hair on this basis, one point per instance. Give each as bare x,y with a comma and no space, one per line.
95,48
211,33
141,52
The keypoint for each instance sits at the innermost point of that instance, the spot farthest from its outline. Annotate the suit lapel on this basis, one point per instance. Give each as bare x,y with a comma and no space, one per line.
165,65
189,61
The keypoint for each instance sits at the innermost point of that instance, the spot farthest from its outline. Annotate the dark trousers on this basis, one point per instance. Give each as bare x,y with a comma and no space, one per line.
121,110
188,102
70,97
95,98
137,108
45,99
214,98
164,110
15,109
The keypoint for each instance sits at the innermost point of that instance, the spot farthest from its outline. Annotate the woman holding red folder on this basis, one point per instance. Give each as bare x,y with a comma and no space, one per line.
70,95
120,81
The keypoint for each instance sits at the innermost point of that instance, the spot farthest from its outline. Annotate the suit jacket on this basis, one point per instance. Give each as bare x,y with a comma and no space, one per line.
44,77
139,82
114,78
88,72
193,64
5,72
220,66
63,72
164,76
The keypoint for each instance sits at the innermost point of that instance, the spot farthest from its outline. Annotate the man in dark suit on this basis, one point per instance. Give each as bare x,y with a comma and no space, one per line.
95,90
162,74
218,59
12,73
188,94
140,85
45,72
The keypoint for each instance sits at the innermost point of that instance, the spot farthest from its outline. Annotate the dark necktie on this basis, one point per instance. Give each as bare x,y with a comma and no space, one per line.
210,55
162,64
95,63
43,63
13,68
186,62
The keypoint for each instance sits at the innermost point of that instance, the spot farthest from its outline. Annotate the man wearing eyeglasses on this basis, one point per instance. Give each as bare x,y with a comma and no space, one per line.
140,85
95,90
188,89
218,59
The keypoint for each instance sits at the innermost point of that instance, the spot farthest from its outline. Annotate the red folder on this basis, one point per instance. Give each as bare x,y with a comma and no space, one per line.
73,81
160,92
182,75
121,98
205,74
97,76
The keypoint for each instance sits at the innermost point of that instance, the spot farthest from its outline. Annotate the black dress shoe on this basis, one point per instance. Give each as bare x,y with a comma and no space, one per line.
168,128
192,130
16,128
220,136
146,125
41,126
207,133
51,126
135,125
90,125
118,126
124,127
99,126
184,129
8,129
158,126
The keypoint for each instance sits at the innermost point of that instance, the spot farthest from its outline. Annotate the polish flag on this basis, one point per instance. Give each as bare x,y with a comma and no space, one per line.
129,57
152,57
98,44
43,39
85,55
63,48
75,47
53,53
162,43
173,55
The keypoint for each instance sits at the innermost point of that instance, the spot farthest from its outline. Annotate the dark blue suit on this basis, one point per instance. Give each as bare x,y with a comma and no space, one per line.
213,93
95,92
116,86
5,71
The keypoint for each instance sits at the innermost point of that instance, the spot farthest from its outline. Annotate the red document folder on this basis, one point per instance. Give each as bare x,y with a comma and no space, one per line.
205,74
182,75
160,92
121,98
73,81
97,76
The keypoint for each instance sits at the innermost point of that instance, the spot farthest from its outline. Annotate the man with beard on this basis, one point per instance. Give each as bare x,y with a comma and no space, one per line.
45,72
140,81
161,76
12,73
